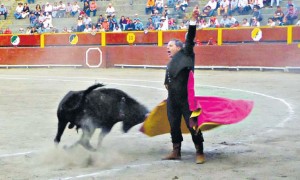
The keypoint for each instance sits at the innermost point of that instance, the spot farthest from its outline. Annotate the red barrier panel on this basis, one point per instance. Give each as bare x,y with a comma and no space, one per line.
227,55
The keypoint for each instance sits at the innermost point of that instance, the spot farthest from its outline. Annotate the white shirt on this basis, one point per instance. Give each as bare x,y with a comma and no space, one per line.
62,7
110,10
19,9
48,8
213,5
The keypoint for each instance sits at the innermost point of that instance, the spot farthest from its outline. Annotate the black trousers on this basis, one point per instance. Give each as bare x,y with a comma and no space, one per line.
175,111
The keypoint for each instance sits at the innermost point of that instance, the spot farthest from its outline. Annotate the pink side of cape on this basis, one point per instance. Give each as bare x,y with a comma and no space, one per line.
217,109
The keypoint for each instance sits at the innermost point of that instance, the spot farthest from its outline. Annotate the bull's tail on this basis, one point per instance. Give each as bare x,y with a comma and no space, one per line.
91,88
76,100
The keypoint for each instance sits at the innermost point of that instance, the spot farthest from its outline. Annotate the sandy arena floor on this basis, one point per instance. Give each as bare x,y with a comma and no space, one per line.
264,146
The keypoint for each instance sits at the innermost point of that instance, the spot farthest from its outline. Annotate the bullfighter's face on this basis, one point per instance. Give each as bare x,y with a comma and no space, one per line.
172,49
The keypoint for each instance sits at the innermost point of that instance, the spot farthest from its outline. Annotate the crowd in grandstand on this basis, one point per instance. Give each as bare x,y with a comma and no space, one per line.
170,15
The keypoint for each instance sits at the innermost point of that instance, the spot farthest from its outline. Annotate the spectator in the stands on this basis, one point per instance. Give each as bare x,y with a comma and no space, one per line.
55,8
159,5
254,22
243,7
61,9
75,9
130,26
272,2
80,24
100,20
166,10
183,5
38,10
245,23
172,24
258,3
139,25
231,21
33,30
41,20
149,6
278,15
213,22
150,22
33,20
212,7
87,20
122,23
30,1
117,29
19,10
257,14
207,12
112,22
26,9
3,11
178,13
236,24
7,31
271,22
94,28
224,22
48,22
182,26
93,7
223,8
86,8
203,24
291,15
87,29
163,25
48,8
289,2
68,9
110,10
105,25
233,6
156,19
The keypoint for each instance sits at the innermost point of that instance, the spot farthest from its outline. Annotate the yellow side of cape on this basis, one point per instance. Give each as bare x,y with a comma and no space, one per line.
157,122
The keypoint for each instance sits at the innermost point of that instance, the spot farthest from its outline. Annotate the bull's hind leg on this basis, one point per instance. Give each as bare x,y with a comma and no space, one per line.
85,138
102,134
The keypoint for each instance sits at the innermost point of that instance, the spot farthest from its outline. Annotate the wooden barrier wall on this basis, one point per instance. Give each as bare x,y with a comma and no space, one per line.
266,55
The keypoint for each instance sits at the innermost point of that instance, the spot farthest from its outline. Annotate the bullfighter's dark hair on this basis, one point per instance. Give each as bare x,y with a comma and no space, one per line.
178,43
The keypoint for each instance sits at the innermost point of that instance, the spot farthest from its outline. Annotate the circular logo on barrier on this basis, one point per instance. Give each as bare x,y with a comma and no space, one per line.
130,38
15,40
256,34
73,39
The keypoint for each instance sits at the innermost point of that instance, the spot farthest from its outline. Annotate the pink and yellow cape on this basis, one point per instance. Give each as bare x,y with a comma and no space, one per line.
209,112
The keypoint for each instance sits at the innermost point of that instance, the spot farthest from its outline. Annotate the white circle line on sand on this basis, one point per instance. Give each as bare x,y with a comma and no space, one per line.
115,170
289,107
16,154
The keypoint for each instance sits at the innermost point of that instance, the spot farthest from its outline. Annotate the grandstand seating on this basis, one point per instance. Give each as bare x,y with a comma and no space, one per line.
123,7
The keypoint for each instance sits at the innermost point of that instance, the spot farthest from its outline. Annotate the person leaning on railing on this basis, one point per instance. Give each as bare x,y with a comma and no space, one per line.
3,11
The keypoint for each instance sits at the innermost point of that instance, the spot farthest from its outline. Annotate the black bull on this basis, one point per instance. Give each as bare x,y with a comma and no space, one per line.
97,108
